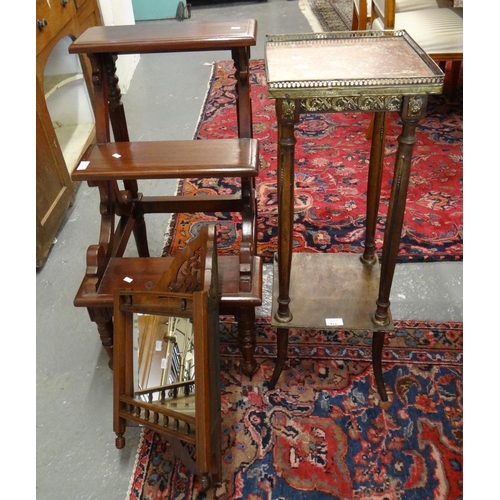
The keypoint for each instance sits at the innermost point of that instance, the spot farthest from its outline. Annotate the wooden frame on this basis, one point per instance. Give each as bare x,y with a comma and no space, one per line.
115,168
195,277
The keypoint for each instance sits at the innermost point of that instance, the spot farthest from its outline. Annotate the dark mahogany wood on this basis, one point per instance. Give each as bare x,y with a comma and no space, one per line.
158,37
397,205
96,294
123,207
374,187
193,36
171,160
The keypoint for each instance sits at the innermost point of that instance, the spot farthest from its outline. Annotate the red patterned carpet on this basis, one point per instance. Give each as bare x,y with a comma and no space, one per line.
332,155
324,433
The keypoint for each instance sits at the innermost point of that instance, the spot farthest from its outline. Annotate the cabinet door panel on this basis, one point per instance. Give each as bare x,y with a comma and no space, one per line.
54,188
55,192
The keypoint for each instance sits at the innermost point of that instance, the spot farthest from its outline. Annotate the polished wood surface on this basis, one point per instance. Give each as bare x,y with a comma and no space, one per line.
123,207
338,87
158,37
154,37
170,160
138,273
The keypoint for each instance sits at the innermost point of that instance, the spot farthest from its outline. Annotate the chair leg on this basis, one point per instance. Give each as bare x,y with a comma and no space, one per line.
246,337
355,21
455,74
103,318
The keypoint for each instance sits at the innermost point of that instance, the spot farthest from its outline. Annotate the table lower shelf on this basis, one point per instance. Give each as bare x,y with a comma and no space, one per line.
331,291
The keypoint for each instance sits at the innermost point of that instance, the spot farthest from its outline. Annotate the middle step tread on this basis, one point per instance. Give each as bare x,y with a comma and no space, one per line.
169,160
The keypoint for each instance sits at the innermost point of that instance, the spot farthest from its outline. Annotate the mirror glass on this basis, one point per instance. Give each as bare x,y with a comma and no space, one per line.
164,358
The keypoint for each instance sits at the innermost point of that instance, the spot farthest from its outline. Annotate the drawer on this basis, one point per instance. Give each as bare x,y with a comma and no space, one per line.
53,15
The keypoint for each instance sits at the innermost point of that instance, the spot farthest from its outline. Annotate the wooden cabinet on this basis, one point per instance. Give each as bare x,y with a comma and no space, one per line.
64,113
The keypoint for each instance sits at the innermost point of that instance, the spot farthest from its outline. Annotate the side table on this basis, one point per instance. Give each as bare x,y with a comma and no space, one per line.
343,72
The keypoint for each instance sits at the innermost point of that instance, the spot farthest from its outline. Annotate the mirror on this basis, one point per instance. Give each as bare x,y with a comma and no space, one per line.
156,334
164,356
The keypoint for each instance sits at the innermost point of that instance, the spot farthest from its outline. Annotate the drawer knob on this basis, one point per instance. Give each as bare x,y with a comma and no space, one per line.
41,23
64,2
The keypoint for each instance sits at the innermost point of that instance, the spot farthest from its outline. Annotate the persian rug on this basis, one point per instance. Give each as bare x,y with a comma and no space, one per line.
328,15
331,170
323,432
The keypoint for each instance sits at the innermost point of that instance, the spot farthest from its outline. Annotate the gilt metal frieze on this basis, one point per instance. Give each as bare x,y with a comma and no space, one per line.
351,103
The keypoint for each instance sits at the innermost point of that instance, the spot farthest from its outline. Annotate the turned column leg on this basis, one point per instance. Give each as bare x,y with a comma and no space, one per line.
120,441
374,186
113,96
103,318
413,109
123,376
288,115
372,209
246,338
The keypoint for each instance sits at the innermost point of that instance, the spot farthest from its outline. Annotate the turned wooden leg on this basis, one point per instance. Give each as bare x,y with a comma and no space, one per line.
114,105
377,346
246,337
204,482
120,441
103,318
413,110
374,187
288,113
281,356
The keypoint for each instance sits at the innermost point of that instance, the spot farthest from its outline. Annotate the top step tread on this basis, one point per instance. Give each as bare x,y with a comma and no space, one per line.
158,36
